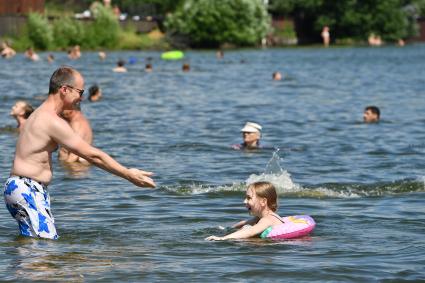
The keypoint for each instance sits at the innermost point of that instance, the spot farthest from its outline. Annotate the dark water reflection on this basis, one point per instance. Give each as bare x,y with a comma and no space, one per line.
363,184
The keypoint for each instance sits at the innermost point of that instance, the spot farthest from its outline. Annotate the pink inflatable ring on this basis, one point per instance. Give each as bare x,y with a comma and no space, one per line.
293,227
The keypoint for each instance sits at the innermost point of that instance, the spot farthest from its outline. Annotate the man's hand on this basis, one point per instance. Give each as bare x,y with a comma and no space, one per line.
141,178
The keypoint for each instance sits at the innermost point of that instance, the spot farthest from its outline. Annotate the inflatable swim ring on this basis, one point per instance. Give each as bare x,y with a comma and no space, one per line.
172,55
293,227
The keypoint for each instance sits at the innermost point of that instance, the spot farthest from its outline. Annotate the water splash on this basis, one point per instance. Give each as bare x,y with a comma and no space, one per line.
285,186
275,174
273,166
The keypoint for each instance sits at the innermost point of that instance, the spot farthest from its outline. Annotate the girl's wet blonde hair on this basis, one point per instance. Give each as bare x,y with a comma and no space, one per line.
266,190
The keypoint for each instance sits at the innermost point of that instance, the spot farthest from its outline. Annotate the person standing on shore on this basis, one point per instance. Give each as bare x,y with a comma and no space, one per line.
25,191
326,36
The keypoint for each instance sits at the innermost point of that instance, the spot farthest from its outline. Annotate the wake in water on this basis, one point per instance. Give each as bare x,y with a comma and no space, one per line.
281,179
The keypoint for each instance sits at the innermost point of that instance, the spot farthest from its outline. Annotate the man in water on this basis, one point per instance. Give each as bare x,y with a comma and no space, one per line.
251,134
25,191
371,114
81,126
120,67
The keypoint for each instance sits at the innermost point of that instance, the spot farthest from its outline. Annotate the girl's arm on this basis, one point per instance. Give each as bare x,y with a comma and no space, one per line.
248,232
242,223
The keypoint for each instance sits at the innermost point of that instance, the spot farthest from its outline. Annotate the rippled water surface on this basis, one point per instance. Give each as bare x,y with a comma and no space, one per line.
363,184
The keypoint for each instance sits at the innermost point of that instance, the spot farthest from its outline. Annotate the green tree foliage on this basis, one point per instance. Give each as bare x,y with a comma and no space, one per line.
350,18
68,32
39,31
209,23
105,29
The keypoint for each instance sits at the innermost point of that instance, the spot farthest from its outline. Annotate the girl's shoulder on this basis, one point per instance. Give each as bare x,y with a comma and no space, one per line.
274,219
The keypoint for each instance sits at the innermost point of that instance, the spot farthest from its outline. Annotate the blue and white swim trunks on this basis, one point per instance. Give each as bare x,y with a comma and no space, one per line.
28,201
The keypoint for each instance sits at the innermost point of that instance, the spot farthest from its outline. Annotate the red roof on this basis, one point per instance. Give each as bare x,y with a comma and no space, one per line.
21,7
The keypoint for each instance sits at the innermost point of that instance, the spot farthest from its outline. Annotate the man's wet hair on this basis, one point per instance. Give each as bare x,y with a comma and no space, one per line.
374,110
64,75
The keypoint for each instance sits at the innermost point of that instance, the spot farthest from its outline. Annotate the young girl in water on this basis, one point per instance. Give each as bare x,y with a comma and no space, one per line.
261,202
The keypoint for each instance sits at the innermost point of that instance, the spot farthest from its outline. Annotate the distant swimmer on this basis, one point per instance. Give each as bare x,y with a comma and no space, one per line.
95,93
81,126
219,54
50,58
25,191
371,114
277,76
30,54
186,67
261,202
102,55
7,51
74,53
21,111
148,68
251,134
120,67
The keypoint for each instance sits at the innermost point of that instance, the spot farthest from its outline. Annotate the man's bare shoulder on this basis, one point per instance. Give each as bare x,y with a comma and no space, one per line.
45,118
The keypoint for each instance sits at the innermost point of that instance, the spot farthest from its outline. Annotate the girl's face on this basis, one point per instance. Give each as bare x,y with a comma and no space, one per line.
18,109
254,203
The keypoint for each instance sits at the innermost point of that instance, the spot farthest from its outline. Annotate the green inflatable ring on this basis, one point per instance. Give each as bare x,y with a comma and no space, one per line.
172,55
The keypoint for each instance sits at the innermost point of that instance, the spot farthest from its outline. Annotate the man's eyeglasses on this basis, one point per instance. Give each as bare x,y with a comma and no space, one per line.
80,91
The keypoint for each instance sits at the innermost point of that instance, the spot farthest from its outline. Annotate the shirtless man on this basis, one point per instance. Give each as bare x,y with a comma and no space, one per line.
81,126
120,67
25,191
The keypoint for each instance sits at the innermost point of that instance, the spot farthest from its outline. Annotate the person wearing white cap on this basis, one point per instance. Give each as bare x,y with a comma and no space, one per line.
251,134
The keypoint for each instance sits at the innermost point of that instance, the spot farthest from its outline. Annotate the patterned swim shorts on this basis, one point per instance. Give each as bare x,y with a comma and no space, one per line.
28,202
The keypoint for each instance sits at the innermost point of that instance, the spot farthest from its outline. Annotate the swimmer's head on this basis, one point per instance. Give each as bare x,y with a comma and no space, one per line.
371,114
267,191
251,134
21,108
102,55
186,67
277,76
94,93
120,63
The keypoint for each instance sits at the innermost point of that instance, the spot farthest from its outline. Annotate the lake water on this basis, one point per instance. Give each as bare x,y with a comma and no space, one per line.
363,184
